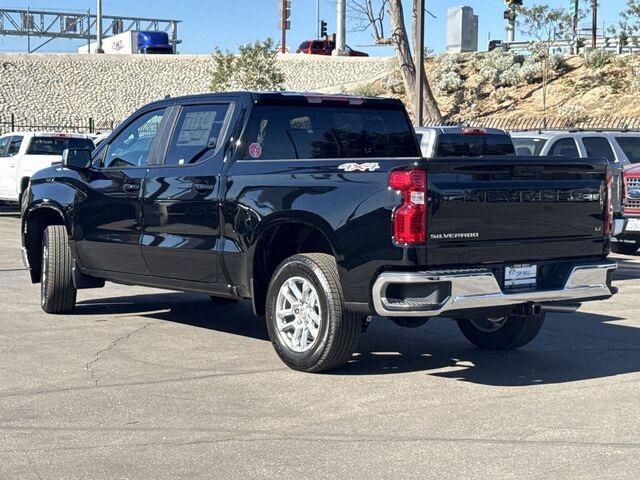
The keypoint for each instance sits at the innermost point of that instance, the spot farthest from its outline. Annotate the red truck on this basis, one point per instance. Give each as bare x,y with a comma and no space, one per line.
629,242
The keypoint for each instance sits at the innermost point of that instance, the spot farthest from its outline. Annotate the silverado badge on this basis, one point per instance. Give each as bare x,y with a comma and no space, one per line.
359,167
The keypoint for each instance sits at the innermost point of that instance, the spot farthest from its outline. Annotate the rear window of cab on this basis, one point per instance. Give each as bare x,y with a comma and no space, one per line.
56,145
328,131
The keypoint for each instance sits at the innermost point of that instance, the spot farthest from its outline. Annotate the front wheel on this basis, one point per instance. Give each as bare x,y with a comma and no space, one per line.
503,333
624,248
308,323
57,291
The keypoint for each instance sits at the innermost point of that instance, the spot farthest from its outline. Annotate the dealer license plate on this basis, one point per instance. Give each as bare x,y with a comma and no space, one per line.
633,225
523,275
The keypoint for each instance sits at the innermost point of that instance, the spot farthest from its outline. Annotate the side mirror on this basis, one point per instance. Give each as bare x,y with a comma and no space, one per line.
76,158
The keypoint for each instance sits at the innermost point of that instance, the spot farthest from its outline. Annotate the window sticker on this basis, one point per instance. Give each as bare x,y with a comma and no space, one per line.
255,150
196,128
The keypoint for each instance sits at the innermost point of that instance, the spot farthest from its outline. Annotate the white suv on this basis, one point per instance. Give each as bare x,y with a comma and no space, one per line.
24,153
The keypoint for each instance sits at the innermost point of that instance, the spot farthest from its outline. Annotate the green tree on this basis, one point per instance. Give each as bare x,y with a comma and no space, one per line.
628,25
255,67
547,26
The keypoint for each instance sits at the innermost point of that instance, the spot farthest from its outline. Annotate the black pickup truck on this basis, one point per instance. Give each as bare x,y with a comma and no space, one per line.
320,210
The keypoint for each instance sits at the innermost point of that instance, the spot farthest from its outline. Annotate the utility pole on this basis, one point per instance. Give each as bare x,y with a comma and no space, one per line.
283,40
99,28
594,26
576,19
317,18
419,87
341,29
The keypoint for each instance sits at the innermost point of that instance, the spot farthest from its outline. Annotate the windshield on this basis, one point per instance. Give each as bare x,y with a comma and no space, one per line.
56,145
529,146
631,148
321,131
459,145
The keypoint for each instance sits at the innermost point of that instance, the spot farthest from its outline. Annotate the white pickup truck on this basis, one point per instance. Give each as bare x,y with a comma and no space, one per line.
24,153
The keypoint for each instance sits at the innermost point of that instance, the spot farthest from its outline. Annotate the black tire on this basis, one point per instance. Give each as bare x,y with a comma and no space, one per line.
339,330
223,300
57,292
624,248
515,332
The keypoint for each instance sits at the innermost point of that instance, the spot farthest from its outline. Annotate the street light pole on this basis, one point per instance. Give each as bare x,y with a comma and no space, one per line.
317,18
419,87
99,28
594,26
341,29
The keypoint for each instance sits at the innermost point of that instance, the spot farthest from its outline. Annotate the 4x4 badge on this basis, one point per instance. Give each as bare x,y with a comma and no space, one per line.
359,167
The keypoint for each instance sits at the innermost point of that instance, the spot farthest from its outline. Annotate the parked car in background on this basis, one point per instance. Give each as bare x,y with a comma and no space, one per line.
325,47
621,148
629,242
322,211
24,153
463,142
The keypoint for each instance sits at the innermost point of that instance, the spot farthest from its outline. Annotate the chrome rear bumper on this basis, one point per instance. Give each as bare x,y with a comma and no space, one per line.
478,288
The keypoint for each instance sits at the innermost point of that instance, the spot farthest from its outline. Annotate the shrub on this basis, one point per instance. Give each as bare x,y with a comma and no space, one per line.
254,68
597,59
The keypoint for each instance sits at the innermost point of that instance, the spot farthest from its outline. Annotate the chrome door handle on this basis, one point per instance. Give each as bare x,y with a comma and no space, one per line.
131,187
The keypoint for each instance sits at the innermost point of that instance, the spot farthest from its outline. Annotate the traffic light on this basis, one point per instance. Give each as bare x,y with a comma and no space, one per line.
323,29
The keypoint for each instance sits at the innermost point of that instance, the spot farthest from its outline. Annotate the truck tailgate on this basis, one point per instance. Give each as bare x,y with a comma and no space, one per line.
488,210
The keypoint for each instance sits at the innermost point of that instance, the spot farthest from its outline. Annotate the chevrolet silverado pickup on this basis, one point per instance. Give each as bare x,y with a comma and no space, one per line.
322,212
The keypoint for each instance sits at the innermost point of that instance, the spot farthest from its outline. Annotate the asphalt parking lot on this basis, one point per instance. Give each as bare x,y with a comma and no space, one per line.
141,383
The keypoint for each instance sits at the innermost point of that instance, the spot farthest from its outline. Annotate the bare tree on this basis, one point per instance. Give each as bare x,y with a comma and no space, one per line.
368,16
371,15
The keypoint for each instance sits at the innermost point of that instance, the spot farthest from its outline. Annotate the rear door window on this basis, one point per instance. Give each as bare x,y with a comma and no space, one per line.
56,145
322,132
631,147
14,145
565,147
531,147
197,132
598,147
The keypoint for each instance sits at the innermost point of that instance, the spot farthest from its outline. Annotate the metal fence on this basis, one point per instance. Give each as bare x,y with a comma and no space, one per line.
14,123
555,123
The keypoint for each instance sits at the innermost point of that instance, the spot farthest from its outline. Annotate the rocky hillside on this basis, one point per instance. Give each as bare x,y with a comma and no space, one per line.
490,86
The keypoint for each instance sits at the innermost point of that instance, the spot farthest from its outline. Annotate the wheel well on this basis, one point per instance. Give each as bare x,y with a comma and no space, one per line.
277,244
35,225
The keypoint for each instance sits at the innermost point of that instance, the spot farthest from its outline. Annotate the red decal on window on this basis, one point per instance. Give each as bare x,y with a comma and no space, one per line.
255,150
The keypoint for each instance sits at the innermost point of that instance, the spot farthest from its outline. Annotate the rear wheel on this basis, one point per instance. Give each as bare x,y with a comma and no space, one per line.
502,333
624,248
309,325
57,291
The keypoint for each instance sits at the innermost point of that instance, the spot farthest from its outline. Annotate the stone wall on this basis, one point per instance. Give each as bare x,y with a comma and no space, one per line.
43,88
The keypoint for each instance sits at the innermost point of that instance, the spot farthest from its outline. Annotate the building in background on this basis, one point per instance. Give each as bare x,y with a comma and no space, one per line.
462,30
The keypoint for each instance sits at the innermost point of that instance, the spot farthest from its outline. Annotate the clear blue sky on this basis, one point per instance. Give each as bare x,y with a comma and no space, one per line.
228,23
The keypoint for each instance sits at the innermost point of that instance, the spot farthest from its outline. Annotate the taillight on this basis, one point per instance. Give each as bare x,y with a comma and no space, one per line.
608,205
410,218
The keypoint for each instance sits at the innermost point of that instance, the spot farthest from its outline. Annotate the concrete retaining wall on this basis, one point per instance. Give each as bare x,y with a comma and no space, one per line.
46,87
